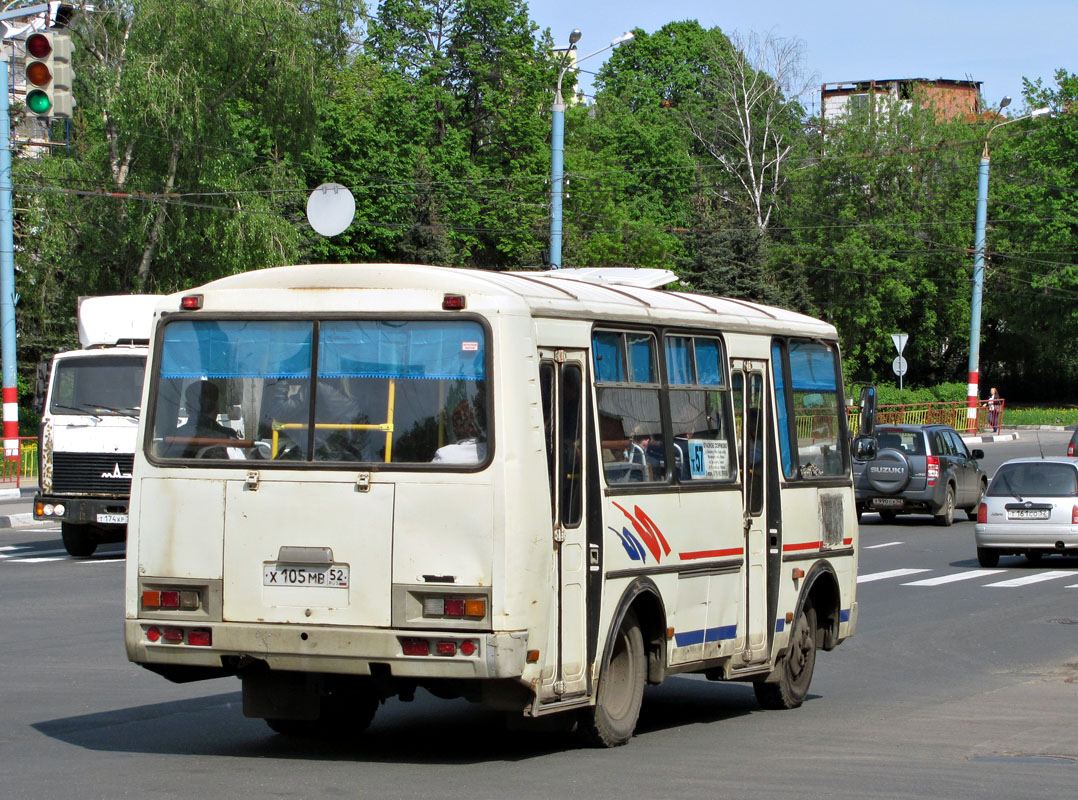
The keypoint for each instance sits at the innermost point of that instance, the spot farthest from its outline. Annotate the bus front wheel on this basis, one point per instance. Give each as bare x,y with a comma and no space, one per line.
612,720
795,670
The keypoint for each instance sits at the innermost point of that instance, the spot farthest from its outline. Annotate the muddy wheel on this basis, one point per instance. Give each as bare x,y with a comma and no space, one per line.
795,669
612,720
946,515
78,539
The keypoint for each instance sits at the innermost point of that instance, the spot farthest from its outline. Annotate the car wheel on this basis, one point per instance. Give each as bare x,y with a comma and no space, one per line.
987,557
946,515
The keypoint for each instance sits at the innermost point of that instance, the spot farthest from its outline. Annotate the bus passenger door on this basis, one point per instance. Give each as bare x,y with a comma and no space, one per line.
753,431
561,375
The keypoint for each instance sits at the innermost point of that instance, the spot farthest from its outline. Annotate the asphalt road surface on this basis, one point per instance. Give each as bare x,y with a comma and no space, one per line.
960,683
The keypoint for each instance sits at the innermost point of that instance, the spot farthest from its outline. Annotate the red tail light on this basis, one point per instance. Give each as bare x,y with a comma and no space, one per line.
200,637
982,513
1070,449
1074,515
933,470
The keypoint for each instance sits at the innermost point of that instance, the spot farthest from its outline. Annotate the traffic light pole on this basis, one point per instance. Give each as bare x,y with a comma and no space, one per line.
7,269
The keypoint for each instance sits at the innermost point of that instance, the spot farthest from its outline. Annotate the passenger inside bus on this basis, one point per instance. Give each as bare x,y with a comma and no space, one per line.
468,448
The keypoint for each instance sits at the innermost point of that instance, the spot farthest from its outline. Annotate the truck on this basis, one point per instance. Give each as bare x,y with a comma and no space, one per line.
89,422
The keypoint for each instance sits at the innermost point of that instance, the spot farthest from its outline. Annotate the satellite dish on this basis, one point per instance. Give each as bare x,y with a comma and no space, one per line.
331,209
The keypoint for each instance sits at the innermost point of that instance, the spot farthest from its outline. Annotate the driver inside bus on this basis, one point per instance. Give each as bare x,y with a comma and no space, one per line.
201,401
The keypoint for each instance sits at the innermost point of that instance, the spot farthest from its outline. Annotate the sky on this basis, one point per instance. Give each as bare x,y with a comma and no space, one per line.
996,42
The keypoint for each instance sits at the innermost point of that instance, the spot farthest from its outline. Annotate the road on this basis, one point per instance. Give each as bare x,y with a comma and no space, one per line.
960,683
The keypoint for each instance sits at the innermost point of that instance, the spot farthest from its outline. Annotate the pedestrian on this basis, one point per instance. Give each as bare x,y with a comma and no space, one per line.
994,404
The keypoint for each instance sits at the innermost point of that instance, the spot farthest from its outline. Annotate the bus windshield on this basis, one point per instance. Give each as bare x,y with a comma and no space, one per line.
98,385
359,391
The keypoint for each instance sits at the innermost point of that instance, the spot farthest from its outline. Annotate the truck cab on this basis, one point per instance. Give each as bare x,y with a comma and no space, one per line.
89,423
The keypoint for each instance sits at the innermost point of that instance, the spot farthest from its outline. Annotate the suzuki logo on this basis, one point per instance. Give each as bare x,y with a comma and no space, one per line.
116,473
887,469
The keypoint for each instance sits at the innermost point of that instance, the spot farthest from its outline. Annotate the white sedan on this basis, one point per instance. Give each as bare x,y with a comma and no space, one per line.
1031,507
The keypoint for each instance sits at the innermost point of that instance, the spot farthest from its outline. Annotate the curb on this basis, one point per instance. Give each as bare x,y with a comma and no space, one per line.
18,520
991,437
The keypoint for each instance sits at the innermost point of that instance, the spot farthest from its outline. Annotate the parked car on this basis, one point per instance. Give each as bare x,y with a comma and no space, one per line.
1073,444
1031,507
920,469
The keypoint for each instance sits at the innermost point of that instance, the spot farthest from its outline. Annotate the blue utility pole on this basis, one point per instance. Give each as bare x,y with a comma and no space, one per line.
7,269
557,143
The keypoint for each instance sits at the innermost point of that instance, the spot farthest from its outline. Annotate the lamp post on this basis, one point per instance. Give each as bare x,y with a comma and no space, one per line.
557,142
972,395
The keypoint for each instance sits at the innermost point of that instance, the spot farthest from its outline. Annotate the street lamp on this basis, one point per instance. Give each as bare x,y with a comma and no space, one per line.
972,395
557,141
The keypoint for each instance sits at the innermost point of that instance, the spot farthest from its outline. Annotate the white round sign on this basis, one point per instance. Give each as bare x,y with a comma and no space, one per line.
331,209
899,366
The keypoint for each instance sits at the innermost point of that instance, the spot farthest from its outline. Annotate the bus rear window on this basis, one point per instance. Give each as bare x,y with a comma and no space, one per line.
366,391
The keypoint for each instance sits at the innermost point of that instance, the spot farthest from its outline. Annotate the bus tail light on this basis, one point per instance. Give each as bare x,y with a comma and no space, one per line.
454,606
200,637
933,470
170,600
447,648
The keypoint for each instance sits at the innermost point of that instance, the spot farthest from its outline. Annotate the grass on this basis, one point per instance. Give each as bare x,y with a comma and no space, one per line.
1040,416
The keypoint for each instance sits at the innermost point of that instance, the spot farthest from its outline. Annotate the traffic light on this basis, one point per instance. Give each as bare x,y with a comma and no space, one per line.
49,75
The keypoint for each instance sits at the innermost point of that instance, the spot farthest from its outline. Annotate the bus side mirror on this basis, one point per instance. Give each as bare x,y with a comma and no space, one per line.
866,419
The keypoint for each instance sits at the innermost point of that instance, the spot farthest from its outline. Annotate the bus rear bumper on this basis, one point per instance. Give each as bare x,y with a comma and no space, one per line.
165,646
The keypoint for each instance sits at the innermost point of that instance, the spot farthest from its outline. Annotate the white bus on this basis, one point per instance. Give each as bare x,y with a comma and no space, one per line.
536,490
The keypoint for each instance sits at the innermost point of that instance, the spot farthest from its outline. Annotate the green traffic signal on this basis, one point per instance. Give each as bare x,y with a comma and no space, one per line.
38,102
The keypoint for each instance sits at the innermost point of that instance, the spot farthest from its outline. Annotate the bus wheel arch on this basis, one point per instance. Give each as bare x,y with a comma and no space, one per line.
634,654
822,593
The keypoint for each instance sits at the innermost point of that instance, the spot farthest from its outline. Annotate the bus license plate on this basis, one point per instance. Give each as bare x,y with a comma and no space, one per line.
112,519
1028,513
333,576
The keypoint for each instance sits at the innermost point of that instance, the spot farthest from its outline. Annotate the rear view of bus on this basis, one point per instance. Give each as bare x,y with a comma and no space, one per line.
355,481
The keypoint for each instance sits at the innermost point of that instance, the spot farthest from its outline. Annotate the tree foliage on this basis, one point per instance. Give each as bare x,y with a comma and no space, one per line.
201,129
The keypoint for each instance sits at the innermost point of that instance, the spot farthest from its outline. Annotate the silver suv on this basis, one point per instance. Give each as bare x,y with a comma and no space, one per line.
920,469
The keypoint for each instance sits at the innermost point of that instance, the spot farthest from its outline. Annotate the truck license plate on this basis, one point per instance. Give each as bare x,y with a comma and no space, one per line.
112,519
332,576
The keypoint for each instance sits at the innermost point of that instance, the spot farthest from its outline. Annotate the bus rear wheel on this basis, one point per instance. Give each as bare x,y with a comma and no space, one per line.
342,716
795,671
612,720
78,540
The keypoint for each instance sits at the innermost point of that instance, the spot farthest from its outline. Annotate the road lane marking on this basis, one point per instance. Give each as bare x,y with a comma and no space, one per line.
893,573
878,546
957,576
14,547
104,560
1025,580
35,560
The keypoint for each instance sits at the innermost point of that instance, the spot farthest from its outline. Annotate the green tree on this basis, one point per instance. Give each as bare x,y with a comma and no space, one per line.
880,220
1030,319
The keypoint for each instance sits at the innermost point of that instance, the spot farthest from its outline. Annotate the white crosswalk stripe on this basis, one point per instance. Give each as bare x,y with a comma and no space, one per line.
1025,580
955,577
892,573
885,544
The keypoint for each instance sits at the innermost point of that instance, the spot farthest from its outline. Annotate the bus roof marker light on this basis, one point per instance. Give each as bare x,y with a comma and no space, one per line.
453,302
191,302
